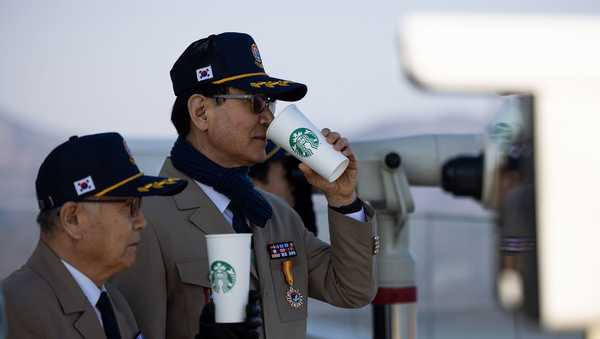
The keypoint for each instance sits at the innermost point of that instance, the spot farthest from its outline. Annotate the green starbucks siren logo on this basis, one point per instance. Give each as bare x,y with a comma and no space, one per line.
304,142
222,277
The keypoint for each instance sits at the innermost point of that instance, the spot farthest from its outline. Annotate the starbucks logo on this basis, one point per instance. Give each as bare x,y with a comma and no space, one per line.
222,277
304,142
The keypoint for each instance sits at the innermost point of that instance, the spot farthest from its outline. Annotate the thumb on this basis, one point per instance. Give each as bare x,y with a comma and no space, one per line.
305,169
309,173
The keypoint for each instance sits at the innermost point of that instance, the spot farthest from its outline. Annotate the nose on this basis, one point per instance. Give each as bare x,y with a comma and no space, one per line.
266,117
139,222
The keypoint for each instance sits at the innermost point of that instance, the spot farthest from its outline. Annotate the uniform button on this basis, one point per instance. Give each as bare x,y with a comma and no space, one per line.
376,245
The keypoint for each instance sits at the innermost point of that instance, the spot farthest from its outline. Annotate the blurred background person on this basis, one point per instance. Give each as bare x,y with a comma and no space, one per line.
280,175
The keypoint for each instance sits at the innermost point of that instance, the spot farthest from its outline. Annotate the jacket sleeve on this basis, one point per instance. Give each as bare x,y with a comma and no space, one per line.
20,315
144,286
343,273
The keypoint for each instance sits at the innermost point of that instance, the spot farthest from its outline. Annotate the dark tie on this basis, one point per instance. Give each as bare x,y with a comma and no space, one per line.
239,220
111,328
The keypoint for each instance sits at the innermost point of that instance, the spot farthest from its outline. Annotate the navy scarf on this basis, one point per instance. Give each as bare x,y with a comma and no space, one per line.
232,182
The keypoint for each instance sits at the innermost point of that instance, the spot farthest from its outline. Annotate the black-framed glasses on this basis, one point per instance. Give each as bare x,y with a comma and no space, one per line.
259,101
134,204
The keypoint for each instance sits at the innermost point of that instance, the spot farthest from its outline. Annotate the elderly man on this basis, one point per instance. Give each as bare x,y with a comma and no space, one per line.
221,114
89,191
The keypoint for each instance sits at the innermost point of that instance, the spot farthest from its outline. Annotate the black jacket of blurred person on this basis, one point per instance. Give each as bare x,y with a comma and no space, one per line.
298,193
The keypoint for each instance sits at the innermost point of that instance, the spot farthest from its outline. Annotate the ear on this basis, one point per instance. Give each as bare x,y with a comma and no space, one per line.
197,109
70,216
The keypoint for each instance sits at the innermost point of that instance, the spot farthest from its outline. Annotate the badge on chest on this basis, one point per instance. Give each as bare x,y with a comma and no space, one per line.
286,250
280,250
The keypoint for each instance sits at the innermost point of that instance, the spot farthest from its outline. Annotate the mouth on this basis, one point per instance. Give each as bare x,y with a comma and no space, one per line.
260,137
134,244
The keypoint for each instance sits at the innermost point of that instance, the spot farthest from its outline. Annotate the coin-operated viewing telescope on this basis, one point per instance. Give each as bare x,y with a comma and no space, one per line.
545,191
462,164
387,169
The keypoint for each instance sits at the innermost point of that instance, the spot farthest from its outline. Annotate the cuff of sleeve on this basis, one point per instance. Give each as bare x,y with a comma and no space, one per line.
354,207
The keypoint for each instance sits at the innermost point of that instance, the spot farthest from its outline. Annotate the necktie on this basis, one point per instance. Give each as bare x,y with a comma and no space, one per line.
239,220
111,328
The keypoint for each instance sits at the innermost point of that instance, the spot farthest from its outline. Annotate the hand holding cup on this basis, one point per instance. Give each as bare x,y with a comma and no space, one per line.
342,191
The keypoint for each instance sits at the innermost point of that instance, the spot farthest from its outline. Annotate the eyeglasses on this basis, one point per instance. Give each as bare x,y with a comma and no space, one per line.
259,102
134,204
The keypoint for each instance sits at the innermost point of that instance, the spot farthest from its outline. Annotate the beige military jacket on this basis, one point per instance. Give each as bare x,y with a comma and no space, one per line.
43,300
166,288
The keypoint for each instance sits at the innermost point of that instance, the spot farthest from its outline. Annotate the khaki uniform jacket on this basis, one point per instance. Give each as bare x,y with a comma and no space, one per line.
43,300
166,287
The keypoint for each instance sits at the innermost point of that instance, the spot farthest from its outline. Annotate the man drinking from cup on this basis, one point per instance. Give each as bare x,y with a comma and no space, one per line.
223,108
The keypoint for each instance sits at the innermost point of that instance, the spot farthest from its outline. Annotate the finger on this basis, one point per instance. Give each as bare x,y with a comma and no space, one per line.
308,172
311,176
349,153
254,322
340,144
253,296
208,313
252,334
325,132
333,137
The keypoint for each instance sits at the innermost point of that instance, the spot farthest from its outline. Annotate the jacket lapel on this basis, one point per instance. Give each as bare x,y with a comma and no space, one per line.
124,326
89,326
72,300
206,215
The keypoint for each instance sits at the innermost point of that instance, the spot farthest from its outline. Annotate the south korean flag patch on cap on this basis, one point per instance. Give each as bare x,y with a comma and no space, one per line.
204,73
84,185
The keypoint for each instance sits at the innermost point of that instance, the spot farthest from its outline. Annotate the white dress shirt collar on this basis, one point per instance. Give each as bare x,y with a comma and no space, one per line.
90,290
220,200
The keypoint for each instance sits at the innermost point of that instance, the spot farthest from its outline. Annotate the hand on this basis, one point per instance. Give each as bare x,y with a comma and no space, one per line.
249,329
342,191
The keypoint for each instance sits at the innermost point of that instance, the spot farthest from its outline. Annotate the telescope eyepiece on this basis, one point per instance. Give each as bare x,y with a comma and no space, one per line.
463,176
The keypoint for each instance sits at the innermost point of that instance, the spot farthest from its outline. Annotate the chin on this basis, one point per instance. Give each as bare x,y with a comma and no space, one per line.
129,259
256,157
259,159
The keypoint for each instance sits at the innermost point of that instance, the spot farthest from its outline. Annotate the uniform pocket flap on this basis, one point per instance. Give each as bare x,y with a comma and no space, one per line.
194,272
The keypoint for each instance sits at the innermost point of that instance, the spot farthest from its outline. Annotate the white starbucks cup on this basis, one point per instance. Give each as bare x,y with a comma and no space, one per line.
291,130
229,274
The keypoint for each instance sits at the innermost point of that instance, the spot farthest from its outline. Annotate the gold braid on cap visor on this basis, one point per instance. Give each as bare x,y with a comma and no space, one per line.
235,77
119,184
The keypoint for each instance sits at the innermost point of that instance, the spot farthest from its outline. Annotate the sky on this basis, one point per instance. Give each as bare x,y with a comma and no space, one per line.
80,67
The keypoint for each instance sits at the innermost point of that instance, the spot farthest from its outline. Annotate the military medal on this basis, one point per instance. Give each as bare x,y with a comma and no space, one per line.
293,296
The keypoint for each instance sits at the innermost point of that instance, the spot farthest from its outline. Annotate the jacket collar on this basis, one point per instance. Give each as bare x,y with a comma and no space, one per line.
206,216
47,264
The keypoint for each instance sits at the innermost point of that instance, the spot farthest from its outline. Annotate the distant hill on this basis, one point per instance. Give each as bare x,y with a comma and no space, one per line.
22,150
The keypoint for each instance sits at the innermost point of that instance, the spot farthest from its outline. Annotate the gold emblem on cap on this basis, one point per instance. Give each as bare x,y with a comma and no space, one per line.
157,184
270,84
256,54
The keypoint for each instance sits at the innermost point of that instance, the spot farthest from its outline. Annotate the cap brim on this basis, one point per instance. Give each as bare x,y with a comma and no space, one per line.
148,186
274,88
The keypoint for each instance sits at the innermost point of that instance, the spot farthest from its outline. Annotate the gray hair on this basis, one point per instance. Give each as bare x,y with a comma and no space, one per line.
48,220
